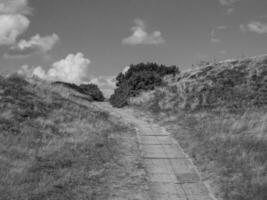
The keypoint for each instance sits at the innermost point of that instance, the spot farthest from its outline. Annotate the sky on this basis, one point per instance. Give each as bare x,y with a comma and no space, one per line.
81,40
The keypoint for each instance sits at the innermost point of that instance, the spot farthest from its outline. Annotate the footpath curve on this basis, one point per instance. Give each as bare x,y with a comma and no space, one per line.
172,174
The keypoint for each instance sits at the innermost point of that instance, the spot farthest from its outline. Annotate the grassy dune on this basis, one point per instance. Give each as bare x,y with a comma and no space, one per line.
56,147
230,150
218,113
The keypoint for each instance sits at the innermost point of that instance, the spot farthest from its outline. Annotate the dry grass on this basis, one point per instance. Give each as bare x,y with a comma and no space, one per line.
231,150
218,113
55,147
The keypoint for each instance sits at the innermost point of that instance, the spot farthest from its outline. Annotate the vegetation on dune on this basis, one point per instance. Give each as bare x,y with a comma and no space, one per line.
229,149
90,90
232,85
140,77
53,147
218,114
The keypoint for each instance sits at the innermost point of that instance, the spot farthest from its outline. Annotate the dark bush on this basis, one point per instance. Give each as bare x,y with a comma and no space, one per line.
91,90
140,77
120,97
17,79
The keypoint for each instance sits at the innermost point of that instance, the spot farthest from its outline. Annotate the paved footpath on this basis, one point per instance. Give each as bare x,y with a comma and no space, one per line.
171,172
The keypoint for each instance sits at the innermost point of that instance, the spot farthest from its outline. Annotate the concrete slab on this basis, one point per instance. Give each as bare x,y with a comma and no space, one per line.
148,140
195,189
205,197
156,140
168,188
162,178
173,151
184,171
155,133
157,196
158,166
161,151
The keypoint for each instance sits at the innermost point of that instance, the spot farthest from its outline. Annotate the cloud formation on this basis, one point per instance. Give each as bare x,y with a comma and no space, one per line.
104,81
107,84
34,45
14,7
11,27
13,20
256,27
141,36
72,69
125,70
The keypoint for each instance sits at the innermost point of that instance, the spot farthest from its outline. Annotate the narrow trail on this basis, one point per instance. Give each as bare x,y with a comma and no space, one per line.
172,174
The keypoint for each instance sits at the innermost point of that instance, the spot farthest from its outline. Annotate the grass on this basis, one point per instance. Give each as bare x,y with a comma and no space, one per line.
228,146
218,113
229,149
56,147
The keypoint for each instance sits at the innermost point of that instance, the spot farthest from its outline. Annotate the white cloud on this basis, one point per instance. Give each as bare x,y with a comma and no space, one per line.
104,81
25,70
12,26
28,71
106,84
39,72
14,7
256,27
141,36
13,20
33,45
43,43
72,69
125,70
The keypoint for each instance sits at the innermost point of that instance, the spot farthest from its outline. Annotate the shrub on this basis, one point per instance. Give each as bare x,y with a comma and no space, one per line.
140,77
91,90
120,97
16,79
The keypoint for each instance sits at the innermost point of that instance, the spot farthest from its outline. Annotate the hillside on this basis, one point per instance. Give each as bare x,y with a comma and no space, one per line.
56,145
231,84
217,112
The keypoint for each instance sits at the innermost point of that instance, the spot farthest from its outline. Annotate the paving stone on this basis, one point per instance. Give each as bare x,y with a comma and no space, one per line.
161,151
158,166
195,189
168,188
184,171
199,197
187,178
157,196
146,140
173,151
162,178
156,133
156,140
166,140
